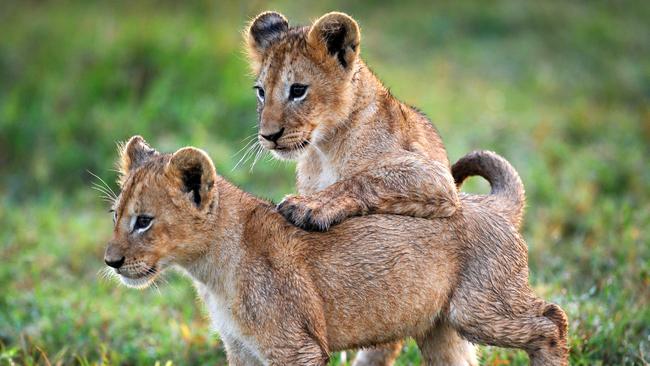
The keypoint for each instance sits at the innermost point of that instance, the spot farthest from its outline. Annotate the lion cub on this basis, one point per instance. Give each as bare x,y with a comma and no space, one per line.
279,295
359,150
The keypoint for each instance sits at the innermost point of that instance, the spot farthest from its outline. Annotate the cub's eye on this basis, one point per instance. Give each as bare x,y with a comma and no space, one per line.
260,93
297,92
142,222
114,216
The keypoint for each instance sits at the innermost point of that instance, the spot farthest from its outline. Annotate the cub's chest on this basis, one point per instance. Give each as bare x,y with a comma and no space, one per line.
316,173
328,176
225,324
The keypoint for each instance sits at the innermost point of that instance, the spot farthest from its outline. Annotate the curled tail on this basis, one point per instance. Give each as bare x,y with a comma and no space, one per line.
507,188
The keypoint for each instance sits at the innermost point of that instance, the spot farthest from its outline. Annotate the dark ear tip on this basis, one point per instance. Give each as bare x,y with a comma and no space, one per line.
267,24
270,16
338,18
266,28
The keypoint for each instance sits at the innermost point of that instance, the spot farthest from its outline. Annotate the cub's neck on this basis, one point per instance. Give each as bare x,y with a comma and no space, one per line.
242,225
334,145
368,94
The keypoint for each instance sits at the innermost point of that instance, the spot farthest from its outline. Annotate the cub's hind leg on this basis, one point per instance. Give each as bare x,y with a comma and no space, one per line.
525,322
442,345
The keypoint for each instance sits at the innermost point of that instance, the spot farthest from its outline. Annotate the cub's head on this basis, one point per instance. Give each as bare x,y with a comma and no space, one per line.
304,77
160,215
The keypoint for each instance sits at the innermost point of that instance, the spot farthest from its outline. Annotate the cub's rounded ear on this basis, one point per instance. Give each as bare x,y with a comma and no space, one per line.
263,31
133,154
195,174
337,35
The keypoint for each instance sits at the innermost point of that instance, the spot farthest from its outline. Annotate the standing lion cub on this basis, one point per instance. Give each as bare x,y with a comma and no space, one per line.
280,296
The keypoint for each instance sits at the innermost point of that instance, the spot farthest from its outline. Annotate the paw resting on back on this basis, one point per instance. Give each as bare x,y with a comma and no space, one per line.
310,214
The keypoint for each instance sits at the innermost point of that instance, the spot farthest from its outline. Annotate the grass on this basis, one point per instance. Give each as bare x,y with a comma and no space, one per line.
561,89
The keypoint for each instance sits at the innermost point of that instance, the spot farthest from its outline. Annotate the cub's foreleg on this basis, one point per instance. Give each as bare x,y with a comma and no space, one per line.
403,184
305,352
238,355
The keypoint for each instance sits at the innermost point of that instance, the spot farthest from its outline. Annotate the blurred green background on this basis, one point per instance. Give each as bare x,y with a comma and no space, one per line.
561,89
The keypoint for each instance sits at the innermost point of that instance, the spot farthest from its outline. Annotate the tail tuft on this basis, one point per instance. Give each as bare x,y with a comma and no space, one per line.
506,185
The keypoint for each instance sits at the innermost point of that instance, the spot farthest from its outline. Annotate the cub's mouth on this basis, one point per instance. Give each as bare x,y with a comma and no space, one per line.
138,280
293,147
289,152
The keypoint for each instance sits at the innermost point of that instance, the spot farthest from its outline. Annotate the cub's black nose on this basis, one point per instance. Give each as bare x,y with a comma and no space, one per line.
115,264
274,136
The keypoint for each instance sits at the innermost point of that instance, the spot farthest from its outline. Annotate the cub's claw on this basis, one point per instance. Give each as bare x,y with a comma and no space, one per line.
308,214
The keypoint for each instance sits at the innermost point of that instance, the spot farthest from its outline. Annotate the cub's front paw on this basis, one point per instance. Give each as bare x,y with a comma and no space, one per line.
309,214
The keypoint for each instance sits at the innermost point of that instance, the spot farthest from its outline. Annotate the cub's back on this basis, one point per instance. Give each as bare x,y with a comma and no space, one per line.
385,267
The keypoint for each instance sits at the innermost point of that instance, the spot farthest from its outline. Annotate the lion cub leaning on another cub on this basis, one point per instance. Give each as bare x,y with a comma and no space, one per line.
282,296
359,150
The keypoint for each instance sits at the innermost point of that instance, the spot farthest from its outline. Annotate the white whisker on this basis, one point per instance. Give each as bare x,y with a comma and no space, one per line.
257,156
105,196
104,183
154,285
251,139
318,149
162,280
107,274
247,155
102,189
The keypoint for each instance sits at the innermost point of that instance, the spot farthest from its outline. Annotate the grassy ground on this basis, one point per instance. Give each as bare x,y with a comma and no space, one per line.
562,89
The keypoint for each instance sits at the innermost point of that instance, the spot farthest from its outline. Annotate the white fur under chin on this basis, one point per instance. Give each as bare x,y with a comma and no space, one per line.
328,175
139,283
288,155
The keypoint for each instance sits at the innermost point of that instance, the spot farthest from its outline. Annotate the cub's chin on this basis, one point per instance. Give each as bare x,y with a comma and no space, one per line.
287,154
139,282
290,154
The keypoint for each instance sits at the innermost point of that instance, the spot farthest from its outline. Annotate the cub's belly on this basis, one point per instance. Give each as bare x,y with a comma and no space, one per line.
379,321
365,310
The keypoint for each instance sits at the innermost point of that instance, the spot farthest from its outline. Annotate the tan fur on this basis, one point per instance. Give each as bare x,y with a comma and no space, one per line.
359,150
279,295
